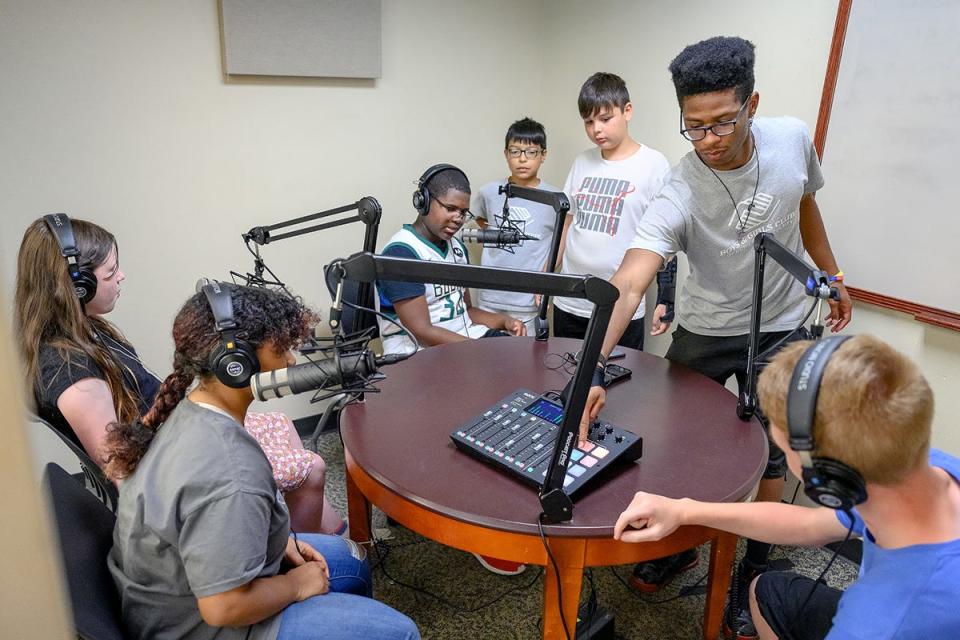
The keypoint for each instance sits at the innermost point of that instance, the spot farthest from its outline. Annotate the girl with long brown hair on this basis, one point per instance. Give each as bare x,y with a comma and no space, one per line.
83,372
86,375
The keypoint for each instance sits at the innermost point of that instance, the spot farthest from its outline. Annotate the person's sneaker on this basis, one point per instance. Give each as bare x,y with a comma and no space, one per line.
501,567
652,576
740,627
737,622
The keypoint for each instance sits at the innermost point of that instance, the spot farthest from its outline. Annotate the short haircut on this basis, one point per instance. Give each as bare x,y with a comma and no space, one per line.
526,130
874,408
602,90
716,64
446,180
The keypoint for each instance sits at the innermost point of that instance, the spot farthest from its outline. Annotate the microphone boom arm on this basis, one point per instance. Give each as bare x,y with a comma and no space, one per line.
368,212
561,205
366,267
816,284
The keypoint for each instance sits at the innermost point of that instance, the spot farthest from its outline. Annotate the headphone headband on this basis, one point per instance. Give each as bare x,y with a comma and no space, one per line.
221,304
421,197
62,230
435,170
233,360
826,481
805,389
83,279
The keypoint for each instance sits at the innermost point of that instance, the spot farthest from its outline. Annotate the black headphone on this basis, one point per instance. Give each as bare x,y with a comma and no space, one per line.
233,360
826,481
421,197
83,279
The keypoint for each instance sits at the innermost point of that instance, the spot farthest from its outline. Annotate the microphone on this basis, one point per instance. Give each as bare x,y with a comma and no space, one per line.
502,237
343,369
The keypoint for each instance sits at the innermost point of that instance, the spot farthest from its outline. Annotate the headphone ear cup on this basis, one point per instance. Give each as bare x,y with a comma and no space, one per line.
234,367
421,200
832,484
84,285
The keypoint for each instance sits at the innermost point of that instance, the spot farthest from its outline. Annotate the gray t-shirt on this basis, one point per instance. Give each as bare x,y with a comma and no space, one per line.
694,214
535,219
201,515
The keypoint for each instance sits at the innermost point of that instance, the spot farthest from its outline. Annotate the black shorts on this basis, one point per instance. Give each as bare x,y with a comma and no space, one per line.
780,596
718,358
567,325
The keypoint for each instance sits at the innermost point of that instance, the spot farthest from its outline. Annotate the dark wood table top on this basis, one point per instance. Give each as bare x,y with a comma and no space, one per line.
693,443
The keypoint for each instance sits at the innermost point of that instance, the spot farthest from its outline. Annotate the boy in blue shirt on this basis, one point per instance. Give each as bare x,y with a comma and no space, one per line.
872,419
525,149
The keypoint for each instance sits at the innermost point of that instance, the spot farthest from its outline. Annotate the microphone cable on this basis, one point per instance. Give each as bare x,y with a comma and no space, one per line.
772,349
383,551
556,573
413,338
820,578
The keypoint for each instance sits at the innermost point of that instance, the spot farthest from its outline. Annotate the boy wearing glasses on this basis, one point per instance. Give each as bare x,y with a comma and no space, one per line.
435,314
525,149
610,187
744,176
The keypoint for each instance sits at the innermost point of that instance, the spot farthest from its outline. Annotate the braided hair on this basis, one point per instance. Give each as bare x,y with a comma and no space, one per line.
262,315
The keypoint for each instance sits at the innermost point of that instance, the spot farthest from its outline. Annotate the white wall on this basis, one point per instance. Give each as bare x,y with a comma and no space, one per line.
637,41
936,350
118,112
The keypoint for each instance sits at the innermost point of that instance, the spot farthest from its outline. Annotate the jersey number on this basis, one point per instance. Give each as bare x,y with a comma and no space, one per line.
452,309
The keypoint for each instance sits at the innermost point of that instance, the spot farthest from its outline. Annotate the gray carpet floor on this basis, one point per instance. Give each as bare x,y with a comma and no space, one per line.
449,595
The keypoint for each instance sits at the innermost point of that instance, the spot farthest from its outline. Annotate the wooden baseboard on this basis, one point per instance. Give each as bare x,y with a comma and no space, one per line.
921,313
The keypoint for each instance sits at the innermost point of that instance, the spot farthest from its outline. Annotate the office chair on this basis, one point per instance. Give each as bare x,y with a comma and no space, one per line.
96,480
351,321
84,526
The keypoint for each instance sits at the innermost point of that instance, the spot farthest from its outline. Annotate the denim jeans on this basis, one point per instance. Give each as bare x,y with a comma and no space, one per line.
347,612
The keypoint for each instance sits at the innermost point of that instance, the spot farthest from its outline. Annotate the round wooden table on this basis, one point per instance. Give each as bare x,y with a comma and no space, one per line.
399,456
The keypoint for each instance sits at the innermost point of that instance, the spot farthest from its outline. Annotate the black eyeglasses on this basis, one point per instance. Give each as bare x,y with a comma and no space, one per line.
531,153
463,214
693,134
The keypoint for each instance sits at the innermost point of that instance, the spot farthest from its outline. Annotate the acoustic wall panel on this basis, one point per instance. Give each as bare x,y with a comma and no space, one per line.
313,38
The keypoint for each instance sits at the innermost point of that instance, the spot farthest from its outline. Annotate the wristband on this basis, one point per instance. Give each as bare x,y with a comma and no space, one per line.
668,315
601,359
837,277
598,375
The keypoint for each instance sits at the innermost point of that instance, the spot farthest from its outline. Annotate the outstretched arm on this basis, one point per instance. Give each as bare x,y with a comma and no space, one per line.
636,272
815,241
652,517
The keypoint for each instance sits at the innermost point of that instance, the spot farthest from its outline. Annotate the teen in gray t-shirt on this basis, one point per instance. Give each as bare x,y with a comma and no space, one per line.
536,219
744,176
201,528
692,214
200,516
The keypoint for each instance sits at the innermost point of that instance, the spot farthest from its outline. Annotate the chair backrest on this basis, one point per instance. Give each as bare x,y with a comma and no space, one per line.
352,320
85,529
97,481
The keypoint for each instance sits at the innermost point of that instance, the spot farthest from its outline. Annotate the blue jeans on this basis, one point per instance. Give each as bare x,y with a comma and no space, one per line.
347,612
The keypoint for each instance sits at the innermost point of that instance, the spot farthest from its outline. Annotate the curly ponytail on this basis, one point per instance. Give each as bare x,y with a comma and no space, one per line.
127,443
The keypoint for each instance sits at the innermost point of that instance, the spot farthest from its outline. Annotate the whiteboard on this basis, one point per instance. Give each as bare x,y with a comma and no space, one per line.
891,158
